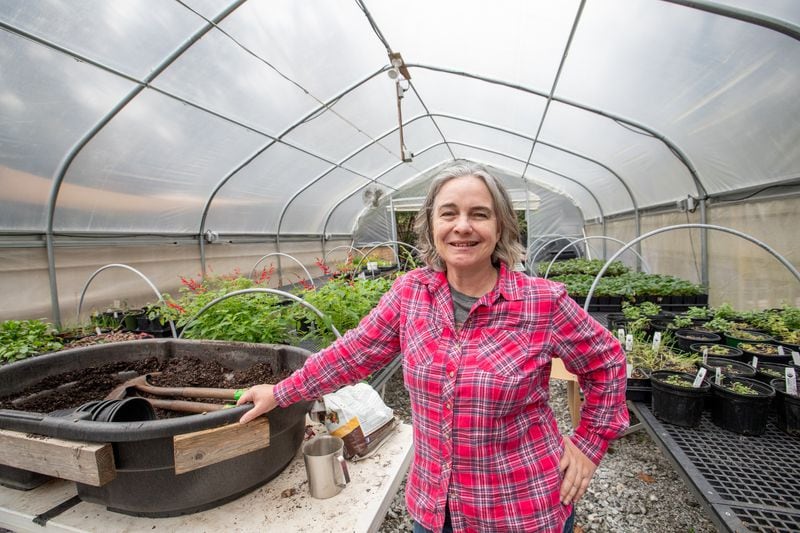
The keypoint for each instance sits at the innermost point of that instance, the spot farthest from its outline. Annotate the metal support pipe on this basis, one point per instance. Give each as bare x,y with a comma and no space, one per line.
635,241
126,267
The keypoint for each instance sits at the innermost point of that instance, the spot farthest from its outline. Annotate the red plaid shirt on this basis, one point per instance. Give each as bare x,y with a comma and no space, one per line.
486,440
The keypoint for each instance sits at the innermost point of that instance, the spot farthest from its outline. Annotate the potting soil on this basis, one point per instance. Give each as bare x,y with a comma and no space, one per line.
72,389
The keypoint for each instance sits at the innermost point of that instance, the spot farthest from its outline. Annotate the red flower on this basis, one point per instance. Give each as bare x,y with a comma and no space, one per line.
173,305
322,266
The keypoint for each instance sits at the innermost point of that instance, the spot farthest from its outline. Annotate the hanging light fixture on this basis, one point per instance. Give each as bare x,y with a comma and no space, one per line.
399,73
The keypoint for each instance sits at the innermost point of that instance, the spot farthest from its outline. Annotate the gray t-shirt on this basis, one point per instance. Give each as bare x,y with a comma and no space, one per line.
461,305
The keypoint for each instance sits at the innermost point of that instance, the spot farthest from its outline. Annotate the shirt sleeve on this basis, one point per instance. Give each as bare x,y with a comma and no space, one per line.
592,353
361,351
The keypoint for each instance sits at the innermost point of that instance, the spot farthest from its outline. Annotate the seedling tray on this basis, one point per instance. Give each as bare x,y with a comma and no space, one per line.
744,483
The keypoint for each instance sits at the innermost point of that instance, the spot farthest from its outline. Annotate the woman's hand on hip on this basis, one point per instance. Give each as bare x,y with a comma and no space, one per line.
577,471
263,401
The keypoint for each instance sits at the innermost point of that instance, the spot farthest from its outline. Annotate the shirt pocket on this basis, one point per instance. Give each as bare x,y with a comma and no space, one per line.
508,353
420,344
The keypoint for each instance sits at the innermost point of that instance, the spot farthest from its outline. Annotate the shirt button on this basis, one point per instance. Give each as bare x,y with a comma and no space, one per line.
448,405
452,373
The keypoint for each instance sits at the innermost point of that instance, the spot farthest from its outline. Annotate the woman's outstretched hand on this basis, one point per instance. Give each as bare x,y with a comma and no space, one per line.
263,401
577,472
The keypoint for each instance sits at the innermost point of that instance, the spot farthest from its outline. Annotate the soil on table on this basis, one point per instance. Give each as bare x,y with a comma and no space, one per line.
73,389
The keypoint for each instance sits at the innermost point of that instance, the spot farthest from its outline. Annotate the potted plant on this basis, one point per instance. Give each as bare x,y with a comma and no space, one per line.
766,372
764,350
717,350
687,337
728,367
741,404
675,398
787,408
736,336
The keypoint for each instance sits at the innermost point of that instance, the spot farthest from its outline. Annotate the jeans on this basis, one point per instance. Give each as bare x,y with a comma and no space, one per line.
569,525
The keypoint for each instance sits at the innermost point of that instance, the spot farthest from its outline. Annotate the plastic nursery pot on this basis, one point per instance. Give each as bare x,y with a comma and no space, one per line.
787,408
745,414
638,386
765,352
613,319
789,347
766,372
687,337
681,405
746,335
729,367
721,351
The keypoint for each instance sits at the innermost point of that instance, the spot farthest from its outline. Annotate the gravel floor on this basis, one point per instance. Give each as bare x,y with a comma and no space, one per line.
635,488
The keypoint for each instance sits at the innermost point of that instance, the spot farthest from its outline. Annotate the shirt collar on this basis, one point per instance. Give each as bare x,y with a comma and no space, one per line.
507,286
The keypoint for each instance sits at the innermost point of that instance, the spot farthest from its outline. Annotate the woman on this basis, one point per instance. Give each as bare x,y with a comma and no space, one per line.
477,340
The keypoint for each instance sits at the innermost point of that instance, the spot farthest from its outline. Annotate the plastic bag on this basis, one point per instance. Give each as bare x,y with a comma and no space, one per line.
357,415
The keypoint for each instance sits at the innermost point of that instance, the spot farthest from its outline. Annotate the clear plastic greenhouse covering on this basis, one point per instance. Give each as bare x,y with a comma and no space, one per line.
257,117
162,127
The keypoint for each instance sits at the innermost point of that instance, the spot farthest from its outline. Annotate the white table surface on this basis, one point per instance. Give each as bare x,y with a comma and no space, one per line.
360,507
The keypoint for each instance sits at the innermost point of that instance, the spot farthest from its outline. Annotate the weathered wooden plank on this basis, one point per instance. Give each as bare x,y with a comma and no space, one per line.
91,463
203,448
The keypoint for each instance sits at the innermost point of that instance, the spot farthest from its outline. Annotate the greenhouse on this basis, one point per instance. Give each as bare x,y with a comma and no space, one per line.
157,156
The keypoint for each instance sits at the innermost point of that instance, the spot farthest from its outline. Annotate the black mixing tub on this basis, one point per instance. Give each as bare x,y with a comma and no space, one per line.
146,483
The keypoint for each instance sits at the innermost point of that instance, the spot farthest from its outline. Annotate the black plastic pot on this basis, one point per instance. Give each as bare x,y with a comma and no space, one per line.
741,413
673,404
639,389
687,337
765,372
765,352
787,408
729,367
734,339
734,354
145,482
613,319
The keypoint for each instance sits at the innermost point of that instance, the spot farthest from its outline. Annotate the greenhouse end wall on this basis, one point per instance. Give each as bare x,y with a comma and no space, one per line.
25,286
740,272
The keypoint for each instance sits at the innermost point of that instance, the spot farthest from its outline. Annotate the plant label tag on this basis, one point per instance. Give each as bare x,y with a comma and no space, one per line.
372,266
705,355
796,358
116,305
621,335
628,342
780,350
718,376
754,363
97,330
656,340
629,369
698,379
791,381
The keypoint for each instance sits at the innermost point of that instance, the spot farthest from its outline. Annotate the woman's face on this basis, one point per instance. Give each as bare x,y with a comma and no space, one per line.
464,224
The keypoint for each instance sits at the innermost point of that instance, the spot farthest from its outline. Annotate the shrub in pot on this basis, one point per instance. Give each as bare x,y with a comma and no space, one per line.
675,399
741,404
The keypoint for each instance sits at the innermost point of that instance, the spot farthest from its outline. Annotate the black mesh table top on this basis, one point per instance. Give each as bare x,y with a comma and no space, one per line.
745,483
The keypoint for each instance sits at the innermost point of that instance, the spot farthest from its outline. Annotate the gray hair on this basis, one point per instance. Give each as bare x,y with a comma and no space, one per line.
508,248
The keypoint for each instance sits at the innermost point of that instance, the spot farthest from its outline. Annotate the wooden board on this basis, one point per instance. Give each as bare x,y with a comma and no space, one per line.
91,463
203,448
